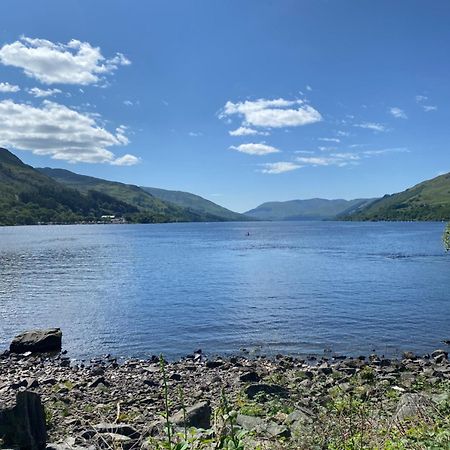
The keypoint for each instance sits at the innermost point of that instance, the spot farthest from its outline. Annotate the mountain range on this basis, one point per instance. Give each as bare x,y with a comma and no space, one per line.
311,209
29,196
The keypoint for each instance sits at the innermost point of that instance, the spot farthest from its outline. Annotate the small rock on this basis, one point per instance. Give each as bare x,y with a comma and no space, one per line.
250,377
99,381
214,364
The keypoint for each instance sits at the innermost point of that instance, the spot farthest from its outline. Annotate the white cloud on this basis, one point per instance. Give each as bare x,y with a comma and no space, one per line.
39,93
371,126
308,87
6,87
276,113
280,167
73,63
56,130
245,131
128,103
397,113
126,160
385,150
421,98
195,133
304,152
343,133
334,159
256,149
343,159
337,140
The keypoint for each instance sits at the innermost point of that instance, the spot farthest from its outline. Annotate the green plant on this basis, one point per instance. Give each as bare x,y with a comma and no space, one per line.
446,237
162,365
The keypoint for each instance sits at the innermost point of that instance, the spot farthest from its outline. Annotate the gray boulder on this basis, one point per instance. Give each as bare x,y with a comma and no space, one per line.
23,425
410,406
197,416
37,341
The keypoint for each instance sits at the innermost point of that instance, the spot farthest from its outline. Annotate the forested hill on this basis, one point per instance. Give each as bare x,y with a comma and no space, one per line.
31,196
172,203
195,203
429,200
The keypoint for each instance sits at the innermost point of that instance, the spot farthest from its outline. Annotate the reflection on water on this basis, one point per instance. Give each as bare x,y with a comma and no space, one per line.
296,287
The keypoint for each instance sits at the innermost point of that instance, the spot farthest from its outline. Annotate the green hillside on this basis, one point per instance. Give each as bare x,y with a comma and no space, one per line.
29,197
195,203
429,200
311,209
158,209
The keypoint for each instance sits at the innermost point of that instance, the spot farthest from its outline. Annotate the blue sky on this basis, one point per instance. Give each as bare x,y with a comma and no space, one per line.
238,101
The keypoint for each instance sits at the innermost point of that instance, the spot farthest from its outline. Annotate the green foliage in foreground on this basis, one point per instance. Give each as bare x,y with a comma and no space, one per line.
358,418
446,237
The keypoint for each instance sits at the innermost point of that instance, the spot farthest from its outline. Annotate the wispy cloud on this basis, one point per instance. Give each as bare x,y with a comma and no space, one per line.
40,93
334,159
337,140
398,113
7,87
343,133
52,62
421,99
385,150
195,133
63,133
280,167
255,149
372,126
276,113
245,131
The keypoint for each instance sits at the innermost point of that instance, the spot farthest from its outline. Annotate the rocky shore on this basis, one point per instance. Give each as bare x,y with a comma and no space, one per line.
262,403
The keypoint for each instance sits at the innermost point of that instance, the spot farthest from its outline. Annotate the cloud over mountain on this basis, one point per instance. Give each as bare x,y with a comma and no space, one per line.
63,133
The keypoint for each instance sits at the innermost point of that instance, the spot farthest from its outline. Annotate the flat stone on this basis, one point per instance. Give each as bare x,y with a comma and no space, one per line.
117,428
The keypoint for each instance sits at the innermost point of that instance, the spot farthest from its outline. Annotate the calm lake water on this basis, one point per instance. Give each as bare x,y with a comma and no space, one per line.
290,287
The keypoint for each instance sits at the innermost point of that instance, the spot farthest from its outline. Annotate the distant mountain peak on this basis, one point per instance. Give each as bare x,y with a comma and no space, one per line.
306,209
